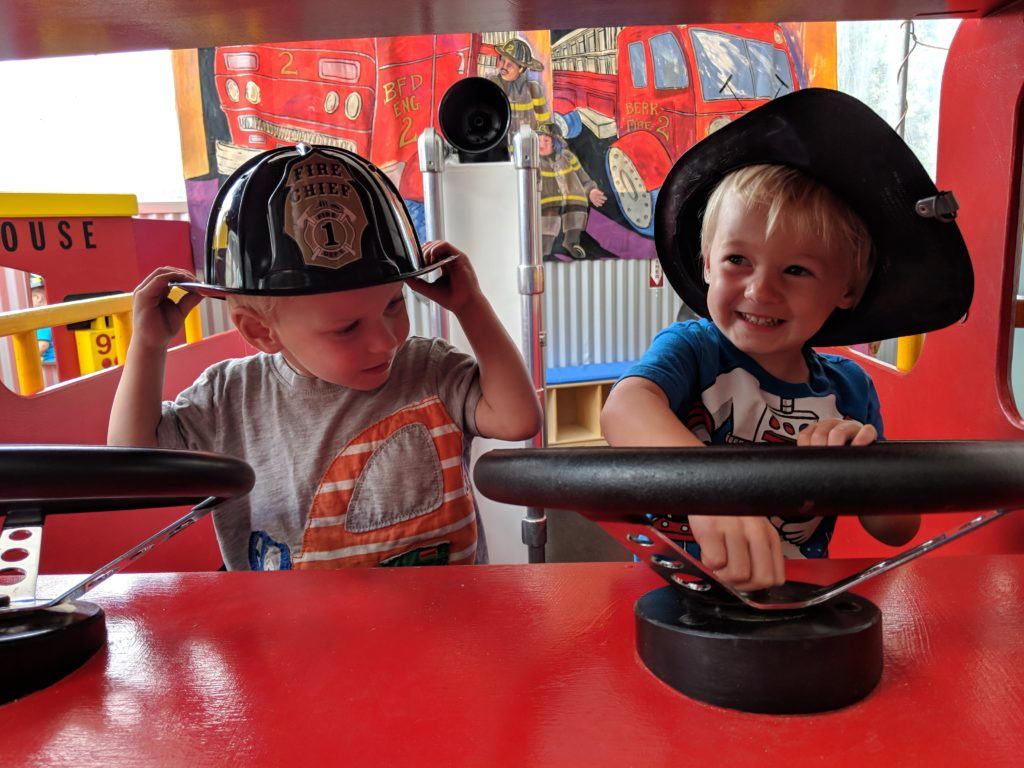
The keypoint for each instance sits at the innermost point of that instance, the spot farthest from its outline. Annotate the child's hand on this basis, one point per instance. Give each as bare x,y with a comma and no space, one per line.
597,197
838,432
457,287
742,551
155,318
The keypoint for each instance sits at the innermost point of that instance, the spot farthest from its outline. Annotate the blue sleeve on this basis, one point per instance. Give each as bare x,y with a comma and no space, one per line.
673,363
45,334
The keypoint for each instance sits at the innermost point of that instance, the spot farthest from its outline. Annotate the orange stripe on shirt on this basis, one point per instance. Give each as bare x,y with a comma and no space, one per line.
453,521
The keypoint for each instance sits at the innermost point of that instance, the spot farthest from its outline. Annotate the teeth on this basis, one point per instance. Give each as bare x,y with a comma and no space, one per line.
758,320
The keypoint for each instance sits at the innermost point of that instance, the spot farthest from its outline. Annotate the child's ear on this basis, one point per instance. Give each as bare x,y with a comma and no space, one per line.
849,299
255,330
705,269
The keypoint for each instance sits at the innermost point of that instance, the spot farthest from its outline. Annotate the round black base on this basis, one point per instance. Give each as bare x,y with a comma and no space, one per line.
39,648
816,659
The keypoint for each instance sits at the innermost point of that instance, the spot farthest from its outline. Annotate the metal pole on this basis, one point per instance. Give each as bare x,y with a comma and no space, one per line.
431,151
901,77
531,287
908,348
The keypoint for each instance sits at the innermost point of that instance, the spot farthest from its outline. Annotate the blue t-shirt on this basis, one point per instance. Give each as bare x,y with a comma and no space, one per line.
723,395
45,334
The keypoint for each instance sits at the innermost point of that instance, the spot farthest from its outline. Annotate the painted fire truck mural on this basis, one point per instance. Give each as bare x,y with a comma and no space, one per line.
367,96
655,91
615,107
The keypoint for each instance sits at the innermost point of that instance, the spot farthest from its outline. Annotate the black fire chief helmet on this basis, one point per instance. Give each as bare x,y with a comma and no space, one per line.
307,219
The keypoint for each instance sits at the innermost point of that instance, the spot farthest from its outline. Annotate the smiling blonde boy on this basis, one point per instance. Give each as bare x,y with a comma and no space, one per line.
807,222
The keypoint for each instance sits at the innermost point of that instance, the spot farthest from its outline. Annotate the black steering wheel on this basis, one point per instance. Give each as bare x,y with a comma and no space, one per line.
39,480
624,484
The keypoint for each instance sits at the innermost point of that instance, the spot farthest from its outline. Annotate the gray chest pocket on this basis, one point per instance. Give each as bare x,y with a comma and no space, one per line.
401,480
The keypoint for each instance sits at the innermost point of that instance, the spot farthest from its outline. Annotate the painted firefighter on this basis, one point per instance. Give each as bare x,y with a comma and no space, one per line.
566,192
525,96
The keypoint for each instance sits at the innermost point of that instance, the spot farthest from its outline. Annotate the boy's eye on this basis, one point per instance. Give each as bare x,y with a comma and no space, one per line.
395,305
347,330
796,269
736,259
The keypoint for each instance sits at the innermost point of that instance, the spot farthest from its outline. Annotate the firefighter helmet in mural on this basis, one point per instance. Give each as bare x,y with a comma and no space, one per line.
518,52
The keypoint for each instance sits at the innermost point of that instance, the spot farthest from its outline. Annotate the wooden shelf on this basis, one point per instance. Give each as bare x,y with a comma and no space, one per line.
573,415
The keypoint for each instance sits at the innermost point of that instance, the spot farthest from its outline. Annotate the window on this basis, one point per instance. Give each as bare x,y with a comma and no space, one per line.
763,65
669,64
782,71
340,70
723,65
638,64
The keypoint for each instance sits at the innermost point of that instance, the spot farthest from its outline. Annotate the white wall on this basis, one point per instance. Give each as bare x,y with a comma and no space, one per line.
91,124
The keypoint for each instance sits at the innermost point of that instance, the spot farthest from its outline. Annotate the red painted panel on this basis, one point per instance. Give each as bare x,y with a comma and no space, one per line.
959,388
160,244
503,665
91,255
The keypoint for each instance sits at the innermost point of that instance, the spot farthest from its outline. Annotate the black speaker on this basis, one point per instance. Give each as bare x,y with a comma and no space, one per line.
474,117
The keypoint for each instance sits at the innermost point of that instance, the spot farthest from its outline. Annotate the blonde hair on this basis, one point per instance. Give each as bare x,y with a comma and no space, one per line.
797,201
264,306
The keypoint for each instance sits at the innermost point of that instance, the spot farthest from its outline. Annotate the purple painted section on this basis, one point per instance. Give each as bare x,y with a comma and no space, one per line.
200,196
613,237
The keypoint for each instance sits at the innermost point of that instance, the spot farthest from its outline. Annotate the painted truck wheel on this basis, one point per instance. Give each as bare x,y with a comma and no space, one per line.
635,201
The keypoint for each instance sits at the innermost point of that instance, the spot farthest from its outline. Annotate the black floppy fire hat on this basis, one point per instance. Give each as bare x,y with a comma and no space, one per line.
922,277
308,219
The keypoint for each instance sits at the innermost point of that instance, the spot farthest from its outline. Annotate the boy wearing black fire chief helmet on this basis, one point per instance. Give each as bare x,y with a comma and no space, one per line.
358,434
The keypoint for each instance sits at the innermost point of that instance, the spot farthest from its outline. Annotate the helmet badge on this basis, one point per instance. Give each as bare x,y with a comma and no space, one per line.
323,212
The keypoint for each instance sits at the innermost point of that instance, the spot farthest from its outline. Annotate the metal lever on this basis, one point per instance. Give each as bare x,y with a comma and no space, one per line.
21,540
677,566
26,604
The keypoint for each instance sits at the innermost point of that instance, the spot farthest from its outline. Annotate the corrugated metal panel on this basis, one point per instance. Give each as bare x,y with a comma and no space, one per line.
419,314
171,211
602,311
215,317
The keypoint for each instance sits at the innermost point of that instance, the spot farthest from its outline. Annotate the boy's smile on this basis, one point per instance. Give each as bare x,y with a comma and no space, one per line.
770,295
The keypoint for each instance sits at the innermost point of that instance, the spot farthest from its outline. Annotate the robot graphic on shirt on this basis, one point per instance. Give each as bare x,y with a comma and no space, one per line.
734,409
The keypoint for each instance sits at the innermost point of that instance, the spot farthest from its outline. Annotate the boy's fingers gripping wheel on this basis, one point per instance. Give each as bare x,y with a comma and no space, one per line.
791,649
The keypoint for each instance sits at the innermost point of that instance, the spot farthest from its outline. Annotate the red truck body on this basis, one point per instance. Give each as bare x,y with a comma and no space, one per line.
670,86
373,96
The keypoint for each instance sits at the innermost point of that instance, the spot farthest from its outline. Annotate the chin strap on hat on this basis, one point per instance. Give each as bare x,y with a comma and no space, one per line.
942,206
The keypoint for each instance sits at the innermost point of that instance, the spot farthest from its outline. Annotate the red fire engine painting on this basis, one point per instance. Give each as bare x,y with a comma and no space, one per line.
371,96
631,100
614,107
